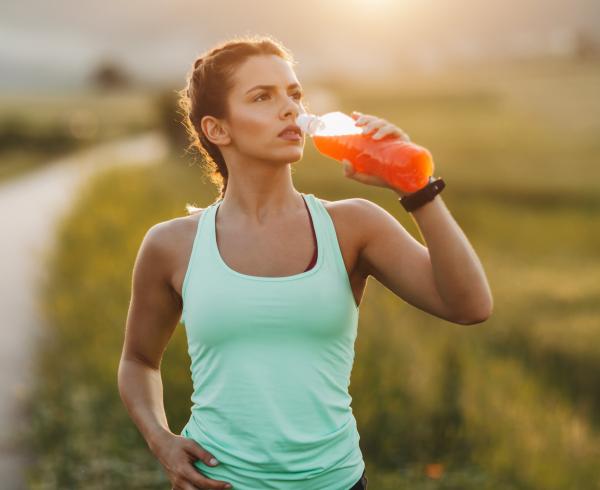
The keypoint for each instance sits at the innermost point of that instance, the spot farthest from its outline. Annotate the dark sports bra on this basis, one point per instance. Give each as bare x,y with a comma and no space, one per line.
314,257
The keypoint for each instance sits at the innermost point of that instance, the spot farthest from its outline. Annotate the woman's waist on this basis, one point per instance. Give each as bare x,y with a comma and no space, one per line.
301,414
272,448
336,478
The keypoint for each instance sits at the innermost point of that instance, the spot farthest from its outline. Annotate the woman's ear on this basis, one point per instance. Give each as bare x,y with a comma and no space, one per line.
214,131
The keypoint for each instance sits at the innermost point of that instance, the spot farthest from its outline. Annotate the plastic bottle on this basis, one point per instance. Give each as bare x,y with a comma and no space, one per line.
401,164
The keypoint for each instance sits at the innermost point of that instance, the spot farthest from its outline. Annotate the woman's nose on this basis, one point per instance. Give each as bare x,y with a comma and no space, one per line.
292,107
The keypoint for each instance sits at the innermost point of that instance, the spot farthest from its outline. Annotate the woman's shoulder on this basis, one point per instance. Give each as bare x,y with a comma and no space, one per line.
180,223
174,232
344,209
193,210
346,214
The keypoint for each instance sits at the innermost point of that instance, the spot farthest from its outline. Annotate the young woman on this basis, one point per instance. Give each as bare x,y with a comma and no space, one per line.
267,281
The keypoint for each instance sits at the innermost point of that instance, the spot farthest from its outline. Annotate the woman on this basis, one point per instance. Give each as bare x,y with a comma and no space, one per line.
267,281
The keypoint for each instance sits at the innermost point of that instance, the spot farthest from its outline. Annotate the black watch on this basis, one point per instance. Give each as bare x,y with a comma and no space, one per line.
415,200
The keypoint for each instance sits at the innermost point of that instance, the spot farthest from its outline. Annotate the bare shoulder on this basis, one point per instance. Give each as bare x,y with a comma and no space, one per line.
172,236
351,214
348,207
343,207
166,233
359,210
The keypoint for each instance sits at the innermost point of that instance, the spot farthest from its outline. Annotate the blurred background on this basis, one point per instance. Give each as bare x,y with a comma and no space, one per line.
92,153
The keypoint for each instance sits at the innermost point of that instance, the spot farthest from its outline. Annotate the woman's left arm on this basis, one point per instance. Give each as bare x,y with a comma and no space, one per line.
445,277
459,275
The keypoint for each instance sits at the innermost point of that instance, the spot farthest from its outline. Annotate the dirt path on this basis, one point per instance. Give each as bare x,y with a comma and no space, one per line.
30,207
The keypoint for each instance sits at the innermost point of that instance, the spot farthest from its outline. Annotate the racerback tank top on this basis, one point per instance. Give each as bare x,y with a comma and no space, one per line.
271,359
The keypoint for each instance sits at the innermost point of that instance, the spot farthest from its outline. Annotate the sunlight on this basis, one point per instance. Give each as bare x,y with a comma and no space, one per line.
384,10
370,5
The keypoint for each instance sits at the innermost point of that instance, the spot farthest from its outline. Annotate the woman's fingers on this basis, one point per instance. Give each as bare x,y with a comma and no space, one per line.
373,125
390,129
199,480
178,455
384,131
369,123
367,179
200,453
382,127
362,118
348,168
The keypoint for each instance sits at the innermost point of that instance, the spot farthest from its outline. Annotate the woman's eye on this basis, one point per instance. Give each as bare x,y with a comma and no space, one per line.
298,95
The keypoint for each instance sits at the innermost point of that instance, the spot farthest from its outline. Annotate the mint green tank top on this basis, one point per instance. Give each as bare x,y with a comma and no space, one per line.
271,359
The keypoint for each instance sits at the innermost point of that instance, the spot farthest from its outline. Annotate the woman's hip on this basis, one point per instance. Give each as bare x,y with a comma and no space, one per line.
361,484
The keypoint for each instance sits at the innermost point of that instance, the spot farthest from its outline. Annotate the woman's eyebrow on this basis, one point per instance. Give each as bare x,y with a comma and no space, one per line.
269,87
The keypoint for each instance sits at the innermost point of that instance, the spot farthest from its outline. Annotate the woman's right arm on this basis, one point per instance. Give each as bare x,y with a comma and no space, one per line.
154,312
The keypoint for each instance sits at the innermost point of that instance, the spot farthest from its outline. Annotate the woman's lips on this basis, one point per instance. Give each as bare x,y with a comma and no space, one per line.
291,136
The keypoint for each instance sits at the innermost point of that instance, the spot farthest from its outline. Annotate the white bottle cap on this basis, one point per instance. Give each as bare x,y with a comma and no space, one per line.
309,123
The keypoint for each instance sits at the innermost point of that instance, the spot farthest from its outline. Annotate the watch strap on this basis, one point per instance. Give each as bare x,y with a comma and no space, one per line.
418,198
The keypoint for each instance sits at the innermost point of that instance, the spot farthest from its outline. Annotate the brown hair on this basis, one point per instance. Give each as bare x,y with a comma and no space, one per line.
208,85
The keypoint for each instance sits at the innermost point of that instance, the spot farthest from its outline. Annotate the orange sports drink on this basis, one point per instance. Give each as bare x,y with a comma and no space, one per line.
402,164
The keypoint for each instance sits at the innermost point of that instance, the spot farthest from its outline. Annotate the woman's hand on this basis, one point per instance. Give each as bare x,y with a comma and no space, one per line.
177,454
384,129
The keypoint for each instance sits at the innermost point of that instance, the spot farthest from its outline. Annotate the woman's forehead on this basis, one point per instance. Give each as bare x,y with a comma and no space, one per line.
265,72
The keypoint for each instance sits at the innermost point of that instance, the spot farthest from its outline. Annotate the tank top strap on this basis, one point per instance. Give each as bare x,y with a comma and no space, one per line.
326,232
200,248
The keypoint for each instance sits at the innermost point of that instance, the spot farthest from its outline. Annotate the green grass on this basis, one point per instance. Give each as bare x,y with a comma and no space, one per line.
508,404
36,129
113,113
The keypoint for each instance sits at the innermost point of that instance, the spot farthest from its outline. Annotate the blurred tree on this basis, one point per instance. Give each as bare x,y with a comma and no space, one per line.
13,132
109,75
586,46
17,133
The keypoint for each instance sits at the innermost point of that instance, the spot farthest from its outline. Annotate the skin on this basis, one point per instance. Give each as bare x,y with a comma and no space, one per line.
263,215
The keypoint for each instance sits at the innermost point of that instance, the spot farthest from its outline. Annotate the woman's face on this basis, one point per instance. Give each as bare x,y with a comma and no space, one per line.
258,114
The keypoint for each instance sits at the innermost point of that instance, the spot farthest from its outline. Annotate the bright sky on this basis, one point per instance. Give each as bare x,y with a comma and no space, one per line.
65,39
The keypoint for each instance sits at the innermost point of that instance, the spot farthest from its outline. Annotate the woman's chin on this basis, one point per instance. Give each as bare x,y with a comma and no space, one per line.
292,153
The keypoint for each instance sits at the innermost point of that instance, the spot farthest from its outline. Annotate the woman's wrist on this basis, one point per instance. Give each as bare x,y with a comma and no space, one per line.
427,193
155,438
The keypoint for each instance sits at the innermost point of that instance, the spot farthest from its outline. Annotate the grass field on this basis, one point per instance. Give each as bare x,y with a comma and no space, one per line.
36,129
512,403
